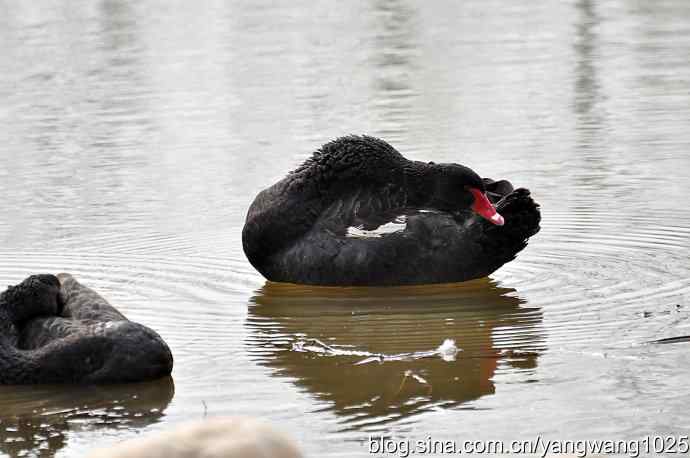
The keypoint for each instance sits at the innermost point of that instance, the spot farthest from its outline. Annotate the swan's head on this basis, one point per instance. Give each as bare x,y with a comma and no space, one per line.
459,188
38,295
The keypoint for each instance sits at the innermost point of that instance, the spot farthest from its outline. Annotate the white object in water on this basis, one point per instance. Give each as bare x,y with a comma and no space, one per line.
448,350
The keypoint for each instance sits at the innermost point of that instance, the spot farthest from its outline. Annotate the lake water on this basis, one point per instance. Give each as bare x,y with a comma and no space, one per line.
134,135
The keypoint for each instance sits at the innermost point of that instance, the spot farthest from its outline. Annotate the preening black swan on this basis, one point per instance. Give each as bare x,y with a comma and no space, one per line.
54,330
358,213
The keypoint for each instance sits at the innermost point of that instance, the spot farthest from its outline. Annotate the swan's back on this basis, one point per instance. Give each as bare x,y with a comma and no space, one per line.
283,213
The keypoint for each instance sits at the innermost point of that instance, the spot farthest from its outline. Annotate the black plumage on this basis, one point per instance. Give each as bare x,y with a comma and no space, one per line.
55,330
319,224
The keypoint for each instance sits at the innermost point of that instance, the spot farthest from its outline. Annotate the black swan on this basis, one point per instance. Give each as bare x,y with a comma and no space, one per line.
357,213
54,330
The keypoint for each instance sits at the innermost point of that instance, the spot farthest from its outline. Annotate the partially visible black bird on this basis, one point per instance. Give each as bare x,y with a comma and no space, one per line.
358,213
54,330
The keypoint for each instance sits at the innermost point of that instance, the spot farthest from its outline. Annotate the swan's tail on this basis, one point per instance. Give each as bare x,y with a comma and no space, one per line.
521,213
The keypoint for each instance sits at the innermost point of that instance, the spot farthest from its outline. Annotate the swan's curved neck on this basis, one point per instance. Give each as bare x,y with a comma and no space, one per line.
420,182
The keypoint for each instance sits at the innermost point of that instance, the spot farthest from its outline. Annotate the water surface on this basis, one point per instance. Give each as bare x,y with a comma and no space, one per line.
134,136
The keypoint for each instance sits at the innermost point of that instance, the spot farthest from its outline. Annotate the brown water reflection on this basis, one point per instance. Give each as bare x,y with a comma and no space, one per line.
309,334
38,420
133,136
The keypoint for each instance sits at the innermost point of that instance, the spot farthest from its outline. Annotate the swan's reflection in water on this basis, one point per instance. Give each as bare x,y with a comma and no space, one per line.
37,420
369,351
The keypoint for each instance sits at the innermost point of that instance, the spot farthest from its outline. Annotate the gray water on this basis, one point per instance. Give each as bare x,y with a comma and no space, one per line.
134,135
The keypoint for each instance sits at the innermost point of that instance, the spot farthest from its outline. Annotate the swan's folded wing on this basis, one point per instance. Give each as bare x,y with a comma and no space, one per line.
82,303
415,246
403,246
39,332
83,309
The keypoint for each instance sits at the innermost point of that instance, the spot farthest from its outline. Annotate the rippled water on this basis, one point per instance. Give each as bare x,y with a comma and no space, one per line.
134,136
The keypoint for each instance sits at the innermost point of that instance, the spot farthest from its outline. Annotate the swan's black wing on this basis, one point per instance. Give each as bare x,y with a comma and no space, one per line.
82,303
368,238
84,312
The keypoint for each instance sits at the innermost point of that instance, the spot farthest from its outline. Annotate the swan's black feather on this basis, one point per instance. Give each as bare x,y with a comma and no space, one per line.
301,229
59,331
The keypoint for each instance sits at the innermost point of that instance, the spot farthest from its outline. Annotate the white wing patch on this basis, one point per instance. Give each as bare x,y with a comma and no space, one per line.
399,224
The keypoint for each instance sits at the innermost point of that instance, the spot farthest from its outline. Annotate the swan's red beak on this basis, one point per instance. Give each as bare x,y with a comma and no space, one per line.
483,207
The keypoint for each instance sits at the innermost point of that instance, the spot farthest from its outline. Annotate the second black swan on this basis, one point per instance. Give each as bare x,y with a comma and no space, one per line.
357,213
55,330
